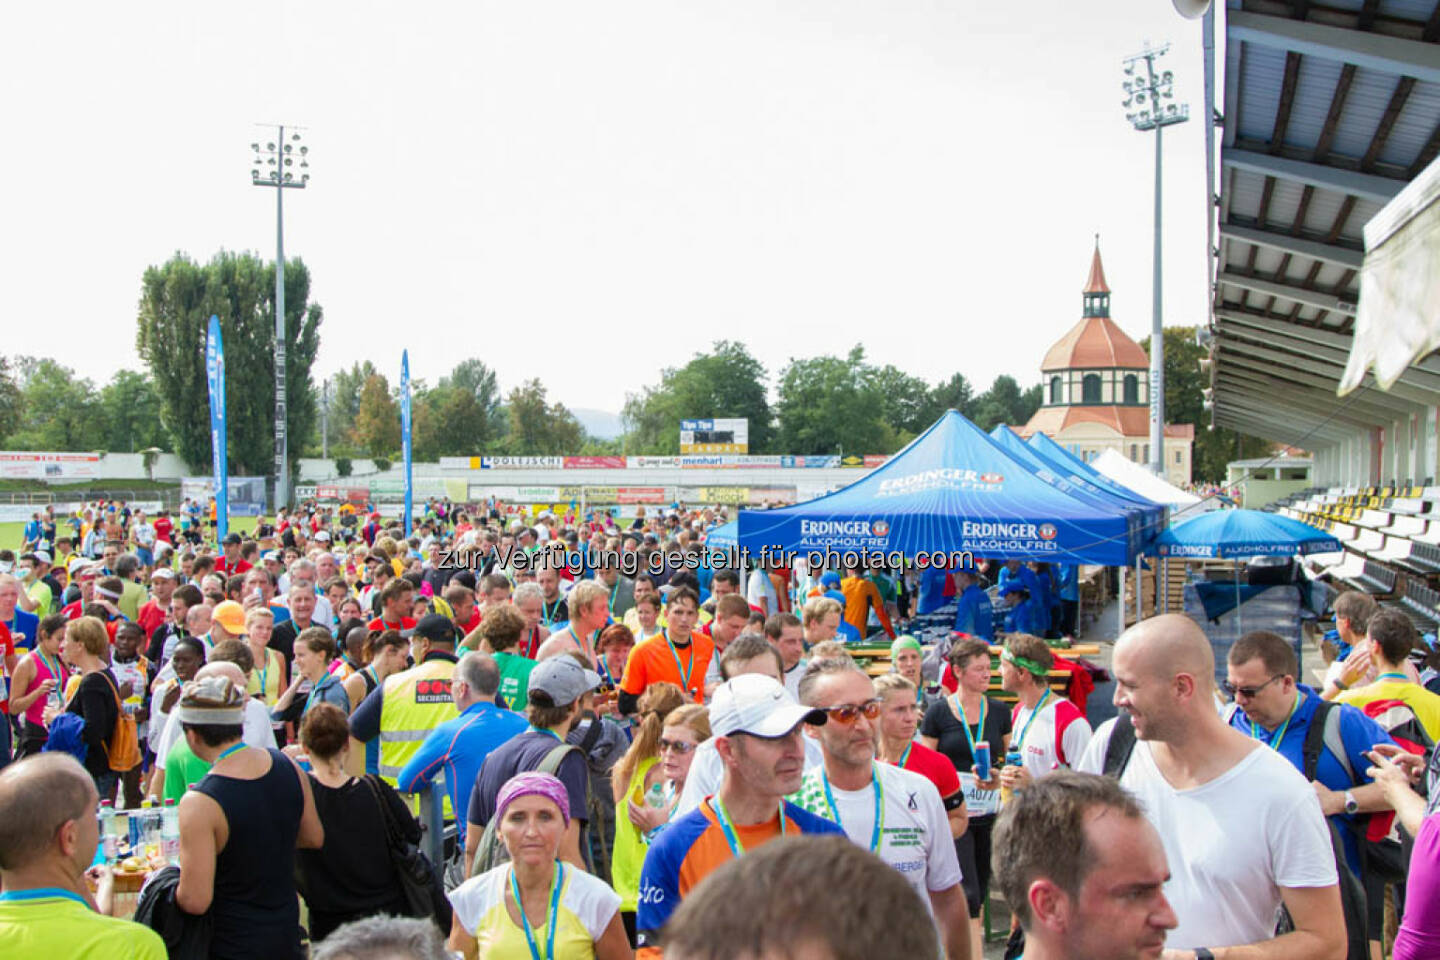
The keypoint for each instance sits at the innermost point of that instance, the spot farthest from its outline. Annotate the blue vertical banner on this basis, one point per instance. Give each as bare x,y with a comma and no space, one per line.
215,375
405,438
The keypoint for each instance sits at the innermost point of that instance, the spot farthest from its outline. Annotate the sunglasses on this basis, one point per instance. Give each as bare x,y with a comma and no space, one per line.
849,713
1249,693
679,746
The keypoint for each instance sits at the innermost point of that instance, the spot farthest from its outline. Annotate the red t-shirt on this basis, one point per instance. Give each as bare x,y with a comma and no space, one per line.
472,623
163,528
222,566
151,616
72,610
380,623
935,767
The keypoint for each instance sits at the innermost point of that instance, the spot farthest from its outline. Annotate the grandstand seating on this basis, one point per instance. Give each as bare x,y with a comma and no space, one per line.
1390,539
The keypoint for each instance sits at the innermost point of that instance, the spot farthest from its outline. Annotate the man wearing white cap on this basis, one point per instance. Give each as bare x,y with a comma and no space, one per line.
757,727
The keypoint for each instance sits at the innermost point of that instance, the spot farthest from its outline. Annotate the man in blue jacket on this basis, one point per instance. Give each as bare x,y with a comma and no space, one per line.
1022,612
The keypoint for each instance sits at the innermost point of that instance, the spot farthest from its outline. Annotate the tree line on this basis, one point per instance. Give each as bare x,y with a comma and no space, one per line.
823,404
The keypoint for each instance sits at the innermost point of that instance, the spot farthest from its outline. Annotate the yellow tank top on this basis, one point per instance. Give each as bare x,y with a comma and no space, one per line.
267,677
587,905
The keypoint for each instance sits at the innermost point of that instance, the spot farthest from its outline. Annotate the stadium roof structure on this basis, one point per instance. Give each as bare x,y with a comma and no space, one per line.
1328,112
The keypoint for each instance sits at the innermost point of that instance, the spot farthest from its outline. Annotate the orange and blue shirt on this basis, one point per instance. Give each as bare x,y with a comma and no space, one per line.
694,846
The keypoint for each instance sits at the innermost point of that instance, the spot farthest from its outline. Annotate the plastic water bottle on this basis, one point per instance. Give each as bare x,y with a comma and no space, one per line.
170,832
113,828
655,796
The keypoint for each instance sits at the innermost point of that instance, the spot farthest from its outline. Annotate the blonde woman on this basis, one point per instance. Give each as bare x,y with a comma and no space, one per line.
267,680
645,785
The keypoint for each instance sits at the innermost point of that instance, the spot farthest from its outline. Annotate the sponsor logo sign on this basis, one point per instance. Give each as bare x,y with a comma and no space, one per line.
522,463
843,534
979,536
594,463
941,478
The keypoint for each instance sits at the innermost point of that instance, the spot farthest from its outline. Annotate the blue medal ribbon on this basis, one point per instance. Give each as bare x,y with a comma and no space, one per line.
683,671
552,919
728,828
1031,719
878,829
984,707
1279,734
233,748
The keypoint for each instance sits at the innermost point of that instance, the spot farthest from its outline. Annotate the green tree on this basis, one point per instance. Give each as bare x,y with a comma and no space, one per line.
1184,403
176,302
60,410
1005,402
906,401
539,428
131,406
467,410
345,389
831,405
12,401
953,394
727,382
377,421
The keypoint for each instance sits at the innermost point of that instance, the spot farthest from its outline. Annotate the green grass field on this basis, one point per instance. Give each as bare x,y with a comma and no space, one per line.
11,533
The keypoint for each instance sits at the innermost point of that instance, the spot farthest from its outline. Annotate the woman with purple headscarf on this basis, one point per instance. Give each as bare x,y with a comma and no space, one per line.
536,906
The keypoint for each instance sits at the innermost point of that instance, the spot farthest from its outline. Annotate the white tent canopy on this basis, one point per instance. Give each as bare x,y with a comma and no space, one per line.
1134,477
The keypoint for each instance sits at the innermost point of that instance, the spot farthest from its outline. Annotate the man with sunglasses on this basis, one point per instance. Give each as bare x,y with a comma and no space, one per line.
1275,710
892,812
757,733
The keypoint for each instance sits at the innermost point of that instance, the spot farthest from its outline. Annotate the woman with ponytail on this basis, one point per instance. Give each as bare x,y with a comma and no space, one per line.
638,778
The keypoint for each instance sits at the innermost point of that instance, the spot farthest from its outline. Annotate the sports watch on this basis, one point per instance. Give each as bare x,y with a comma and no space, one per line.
1352,806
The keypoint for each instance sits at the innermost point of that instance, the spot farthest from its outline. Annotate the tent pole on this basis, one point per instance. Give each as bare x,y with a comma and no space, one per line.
1139,592
1162,577
1120,604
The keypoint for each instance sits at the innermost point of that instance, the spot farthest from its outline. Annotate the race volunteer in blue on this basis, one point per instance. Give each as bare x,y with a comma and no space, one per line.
973,613
459,747
1022,613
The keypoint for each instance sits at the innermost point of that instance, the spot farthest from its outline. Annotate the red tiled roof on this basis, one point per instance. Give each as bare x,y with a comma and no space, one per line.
1092,343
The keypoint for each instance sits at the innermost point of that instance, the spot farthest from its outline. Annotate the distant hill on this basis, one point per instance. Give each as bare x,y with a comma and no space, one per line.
599,423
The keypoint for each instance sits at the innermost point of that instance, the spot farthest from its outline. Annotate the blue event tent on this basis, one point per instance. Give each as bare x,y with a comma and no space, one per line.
1080,472
722,537
1244,533
1149,516
952,489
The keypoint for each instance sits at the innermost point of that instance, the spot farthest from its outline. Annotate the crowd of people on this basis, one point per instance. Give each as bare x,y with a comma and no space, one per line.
685,762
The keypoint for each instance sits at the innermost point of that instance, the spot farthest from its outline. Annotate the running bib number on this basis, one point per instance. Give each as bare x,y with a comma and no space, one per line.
978,802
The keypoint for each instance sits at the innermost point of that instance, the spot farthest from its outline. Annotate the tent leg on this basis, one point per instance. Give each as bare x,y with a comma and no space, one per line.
1120,603
1139,592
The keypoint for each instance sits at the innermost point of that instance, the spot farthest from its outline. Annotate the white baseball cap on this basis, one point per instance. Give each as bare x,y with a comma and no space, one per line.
756,704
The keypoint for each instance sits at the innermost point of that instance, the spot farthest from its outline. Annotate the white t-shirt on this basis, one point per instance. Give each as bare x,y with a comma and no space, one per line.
760,588
1037,741
707,770
915,832
587,905
792,678
167,672
257,733
1231,843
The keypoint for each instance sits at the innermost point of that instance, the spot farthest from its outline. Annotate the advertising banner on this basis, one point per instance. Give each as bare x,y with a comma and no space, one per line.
649,463
215,378
33,465
715,436
594,463
522,463
461,463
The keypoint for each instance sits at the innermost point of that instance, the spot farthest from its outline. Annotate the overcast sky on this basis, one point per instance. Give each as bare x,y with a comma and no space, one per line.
586,192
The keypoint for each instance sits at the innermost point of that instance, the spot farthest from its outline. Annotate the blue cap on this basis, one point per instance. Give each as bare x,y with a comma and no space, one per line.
829,579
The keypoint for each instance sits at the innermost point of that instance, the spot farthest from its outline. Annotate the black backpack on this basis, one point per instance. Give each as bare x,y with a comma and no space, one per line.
1352,894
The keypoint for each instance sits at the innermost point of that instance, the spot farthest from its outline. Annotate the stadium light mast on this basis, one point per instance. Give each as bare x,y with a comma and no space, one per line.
1146,109
274,165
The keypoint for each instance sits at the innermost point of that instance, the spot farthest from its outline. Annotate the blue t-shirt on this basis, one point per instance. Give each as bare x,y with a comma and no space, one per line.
1359,734
974,615
932,591
26,623
459,748
1025,575
1026,617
